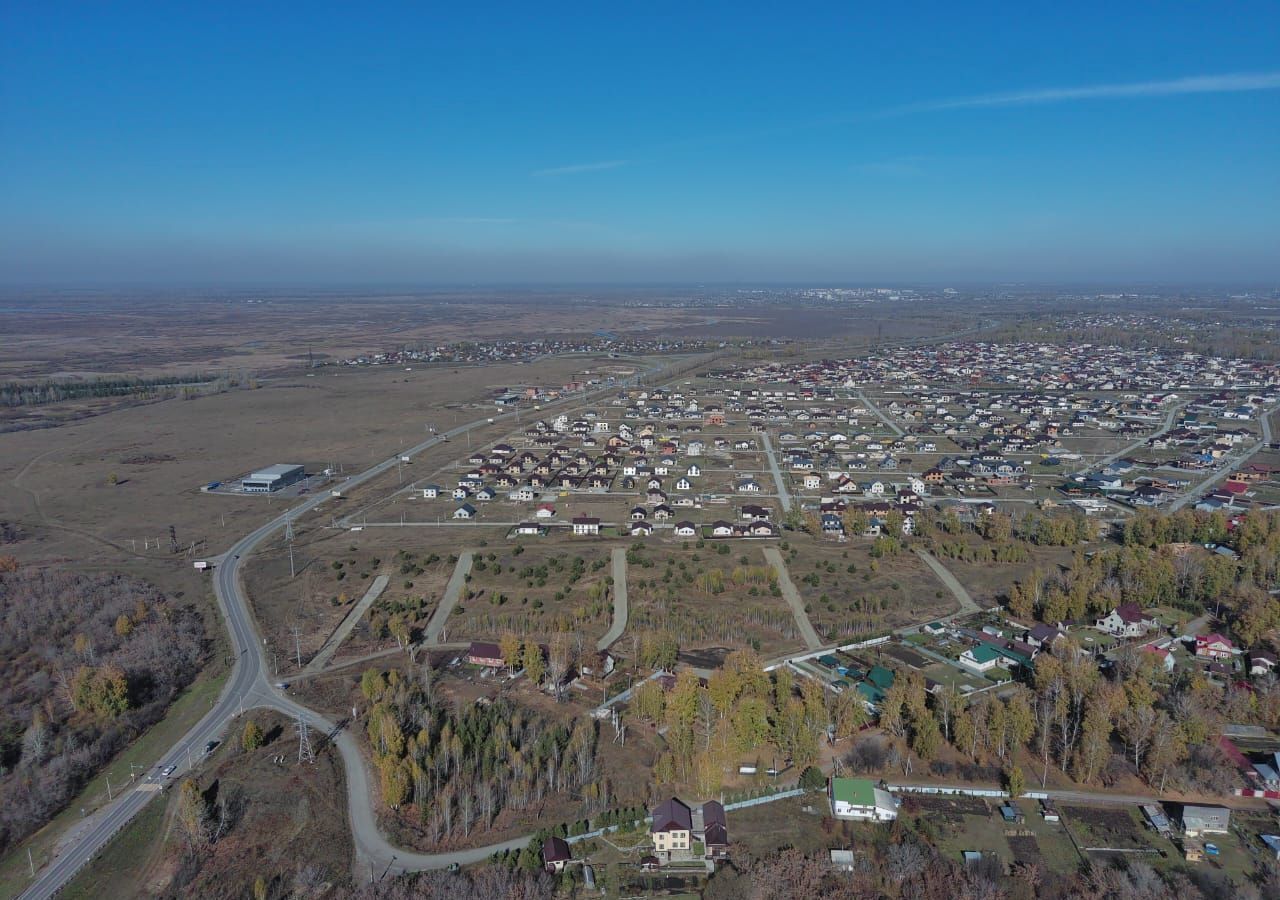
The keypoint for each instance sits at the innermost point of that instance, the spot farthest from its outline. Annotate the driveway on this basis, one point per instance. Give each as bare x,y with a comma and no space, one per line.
793,598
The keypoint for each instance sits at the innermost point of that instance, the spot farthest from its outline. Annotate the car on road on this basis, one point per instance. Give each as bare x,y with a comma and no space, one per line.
209,746
167,771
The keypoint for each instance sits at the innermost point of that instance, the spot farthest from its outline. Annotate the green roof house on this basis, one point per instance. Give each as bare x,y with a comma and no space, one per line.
860,799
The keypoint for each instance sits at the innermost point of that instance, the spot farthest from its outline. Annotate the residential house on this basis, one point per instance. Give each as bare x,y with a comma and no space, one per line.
555,854
1127,621
483,653
671,829
465,511
1213,646
859,798
1198,820
715,830
586,525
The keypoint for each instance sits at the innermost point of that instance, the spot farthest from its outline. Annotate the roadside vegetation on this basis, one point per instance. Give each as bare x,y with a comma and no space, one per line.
87,663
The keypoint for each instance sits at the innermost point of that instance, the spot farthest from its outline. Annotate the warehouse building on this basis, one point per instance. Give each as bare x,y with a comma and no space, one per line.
272,478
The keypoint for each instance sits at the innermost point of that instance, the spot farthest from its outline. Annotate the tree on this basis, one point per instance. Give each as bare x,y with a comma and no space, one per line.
124,625
1137,727
1014,781
534,666
509,645
193,812
252,737
259,888
926,738
648,701
113,479
812,779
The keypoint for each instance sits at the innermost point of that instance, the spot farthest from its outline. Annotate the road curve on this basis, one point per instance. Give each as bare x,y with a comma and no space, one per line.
249,687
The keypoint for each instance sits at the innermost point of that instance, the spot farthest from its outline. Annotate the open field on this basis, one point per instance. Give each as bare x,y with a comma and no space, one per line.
334,569
535,589
709,599
849,594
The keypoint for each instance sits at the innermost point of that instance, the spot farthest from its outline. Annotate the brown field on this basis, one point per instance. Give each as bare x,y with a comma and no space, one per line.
319,597
744,614
879,595
525,586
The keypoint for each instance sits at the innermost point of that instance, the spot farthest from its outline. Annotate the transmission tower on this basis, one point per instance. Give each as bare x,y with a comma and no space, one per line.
173,540
288,529
305,753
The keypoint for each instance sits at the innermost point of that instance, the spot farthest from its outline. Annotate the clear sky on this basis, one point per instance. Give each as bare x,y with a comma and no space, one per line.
460,142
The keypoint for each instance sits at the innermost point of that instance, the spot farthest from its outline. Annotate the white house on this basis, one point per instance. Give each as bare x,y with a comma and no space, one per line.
859,798
586,525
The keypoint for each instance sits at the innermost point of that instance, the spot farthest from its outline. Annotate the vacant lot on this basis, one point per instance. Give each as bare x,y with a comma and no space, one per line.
709,597
334,569
536,588
849,594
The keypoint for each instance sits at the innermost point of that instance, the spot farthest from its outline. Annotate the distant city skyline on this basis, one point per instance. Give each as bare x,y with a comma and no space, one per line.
146,144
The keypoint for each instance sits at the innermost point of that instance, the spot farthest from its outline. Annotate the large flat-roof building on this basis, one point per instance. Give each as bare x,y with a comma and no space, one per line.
272,478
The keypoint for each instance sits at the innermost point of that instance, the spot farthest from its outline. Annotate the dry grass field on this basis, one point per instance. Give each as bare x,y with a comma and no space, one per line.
708,600
849,594
536,588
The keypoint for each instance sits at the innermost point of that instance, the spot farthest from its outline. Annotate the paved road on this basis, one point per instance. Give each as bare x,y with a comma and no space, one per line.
249,686
793,598
784,496
619,559
1199,490
967,606
452,591
321,659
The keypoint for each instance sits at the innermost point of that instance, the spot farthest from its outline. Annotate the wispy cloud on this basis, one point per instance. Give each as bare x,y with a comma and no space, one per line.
580,168
1198,84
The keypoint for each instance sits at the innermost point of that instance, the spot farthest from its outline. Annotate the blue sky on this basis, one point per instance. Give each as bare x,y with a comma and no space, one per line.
445,143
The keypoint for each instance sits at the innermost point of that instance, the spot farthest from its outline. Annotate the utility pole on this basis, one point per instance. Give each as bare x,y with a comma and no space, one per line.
292,572
109,797
297,646
31,862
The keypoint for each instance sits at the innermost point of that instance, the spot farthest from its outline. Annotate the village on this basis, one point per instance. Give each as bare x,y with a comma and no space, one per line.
834,522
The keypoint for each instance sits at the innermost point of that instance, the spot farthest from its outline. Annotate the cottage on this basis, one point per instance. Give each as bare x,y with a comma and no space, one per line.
859,798
981,658
1127,621
483,653
586,525
1213,646
671,829
465,511
686,529
715,830
641,529
430,492
555,854
1198,820
530,528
